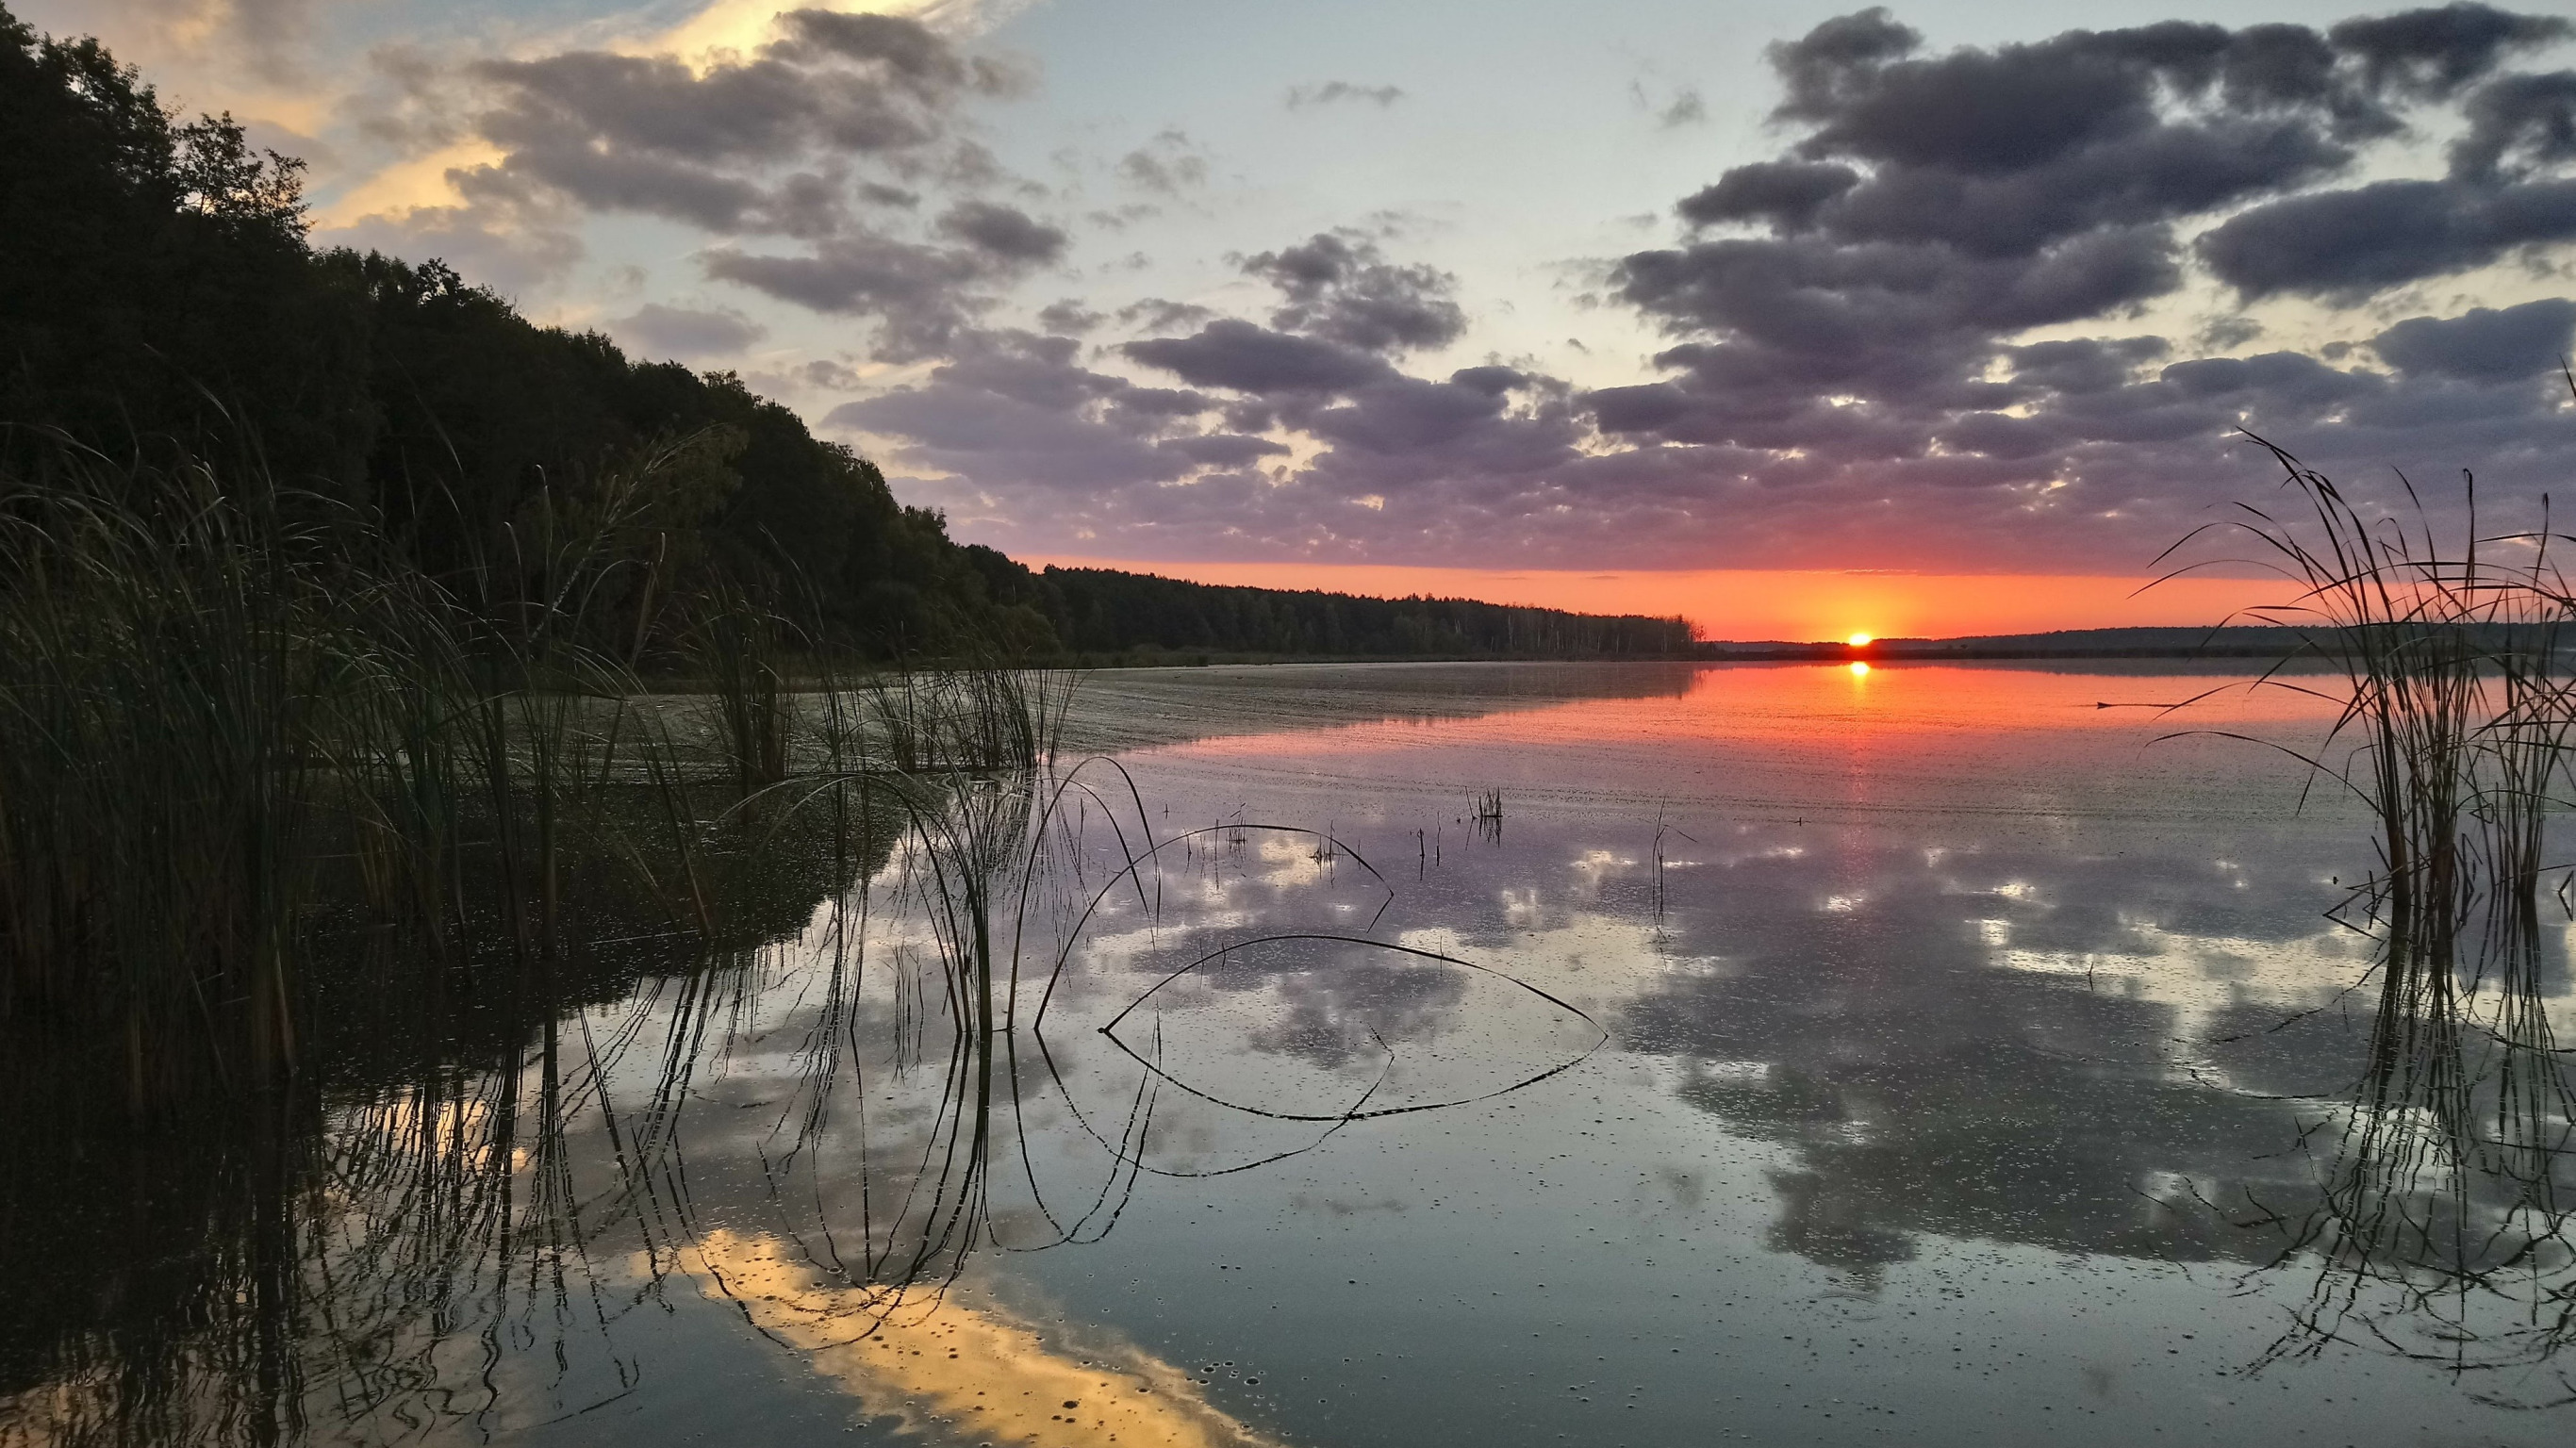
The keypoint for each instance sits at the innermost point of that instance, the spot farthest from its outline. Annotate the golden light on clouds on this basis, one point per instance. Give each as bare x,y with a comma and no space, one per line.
415,184
954,1369
727,29
740,26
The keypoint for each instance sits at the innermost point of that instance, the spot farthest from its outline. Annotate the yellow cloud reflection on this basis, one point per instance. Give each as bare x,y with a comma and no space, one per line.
962,1370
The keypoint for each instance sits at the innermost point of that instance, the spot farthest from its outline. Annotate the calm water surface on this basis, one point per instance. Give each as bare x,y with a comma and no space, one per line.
1924,1055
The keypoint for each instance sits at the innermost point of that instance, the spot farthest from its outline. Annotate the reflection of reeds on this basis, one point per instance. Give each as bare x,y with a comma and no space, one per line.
525,918
2445,1189
313,861
222,714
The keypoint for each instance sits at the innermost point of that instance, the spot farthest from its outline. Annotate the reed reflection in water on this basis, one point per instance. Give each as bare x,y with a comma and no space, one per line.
1910,1034
2442,1214
464,1228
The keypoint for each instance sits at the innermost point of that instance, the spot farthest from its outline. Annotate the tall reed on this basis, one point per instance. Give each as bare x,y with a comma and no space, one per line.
2448,1187
230,710
168,658
315,859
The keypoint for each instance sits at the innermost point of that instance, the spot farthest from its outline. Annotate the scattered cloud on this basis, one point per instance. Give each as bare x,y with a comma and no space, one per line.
1685,107
764,143
1852,375
922,295
687,333
508,248
2484,345
1334,92
1844,317
1005,233
1158,314
1069,318
1340,287
1170,163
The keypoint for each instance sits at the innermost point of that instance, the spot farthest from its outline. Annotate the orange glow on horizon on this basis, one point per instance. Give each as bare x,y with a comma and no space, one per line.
1785,604
1858,641
1921,711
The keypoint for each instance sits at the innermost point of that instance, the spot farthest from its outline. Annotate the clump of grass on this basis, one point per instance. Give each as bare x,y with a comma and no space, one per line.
968,720
168,660
230,711
738,649
2446,1189
287,824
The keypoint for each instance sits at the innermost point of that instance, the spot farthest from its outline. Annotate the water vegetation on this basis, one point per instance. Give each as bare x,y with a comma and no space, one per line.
2444,1220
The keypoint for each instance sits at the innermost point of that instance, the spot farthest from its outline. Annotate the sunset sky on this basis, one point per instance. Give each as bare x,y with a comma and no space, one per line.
1799,319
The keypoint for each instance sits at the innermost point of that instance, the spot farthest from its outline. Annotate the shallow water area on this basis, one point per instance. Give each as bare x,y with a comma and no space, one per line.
1511,1054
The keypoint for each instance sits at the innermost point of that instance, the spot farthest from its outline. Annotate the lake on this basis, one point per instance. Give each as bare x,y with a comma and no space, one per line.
1384,1055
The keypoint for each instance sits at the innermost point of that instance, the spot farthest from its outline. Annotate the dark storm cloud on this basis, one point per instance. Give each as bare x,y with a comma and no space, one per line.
1407,416
1841,302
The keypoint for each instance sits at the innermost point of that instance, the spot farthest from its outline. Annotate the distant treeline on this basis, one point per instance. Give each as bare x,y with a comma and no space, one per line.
1104,610
159,301
2237,641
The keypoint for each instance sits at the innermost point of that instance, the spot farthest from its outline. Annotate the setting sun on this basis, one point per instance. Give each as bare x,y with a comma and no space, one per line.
1858,640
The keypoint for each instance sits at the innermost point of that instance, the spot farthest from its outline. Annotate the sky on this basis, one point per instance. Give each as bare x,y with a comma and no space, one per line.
1798,319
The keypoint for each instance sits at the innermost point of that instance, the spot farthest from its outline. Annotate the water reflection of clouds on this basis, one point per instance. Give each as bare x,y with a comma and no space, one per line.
1944,1003
1940,1008
1984,996
1987,1042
